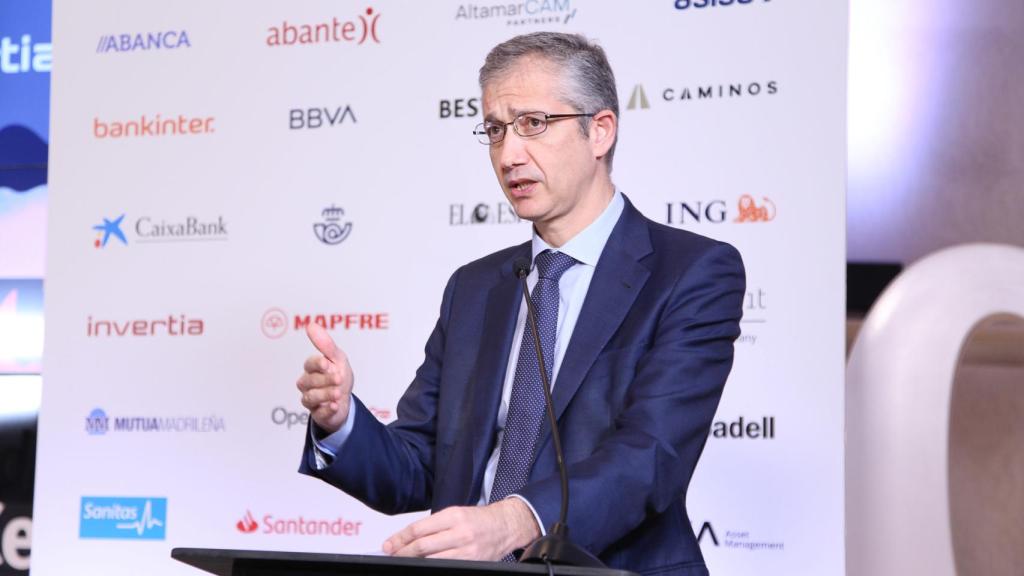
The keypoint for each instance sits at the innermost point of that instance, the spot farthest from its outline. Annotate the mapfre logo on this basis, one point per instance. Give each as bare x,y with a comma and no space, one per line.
172,325
745,210
357,31
297,525
143,42
275,322
25,56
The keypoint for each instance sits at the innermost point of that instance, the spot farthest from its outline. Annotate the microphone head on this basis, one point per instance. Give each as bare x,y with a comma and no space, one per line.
521,267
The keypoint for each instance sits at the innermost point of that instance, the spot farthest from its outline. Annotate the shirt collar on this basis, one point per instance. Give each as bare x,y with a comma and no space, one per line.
586,247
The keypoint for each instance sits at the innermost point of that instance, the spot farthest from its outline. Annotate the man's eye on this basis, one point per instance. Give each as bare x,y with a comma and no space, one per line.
493,130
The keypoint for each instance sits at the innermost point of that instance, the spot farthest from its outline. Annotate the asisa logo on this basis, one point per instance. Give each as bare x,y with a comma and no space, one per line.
123,518
358,31
143,42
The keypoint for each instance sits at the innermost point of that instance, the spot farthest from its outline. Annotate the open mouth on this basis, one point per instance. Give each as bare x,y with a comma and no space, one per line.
520,188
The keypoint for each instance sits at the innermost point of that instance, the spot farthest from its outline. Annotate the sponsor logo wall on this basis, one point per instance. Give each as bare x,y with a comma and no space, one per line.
316,164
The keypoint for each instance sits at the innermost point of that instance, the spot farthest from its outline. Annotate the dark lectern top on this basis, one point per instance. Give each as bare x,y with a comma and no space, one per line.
266,563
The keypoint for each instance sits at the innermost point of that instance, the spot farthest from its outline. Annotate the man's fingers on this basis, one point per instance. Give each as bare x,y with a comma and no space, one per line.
317,364
428,545
313,398
419,529
323,341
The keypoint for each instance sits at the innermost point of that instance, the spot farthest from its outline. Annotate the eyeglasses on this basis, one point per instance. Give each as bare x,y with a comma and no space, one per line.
525,124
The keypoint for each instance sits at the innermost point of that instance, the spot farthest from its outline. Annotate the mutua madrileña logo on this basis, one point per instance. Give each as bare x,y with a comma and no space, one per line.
99,423
113,231
143,41
359,30
123,518
298,525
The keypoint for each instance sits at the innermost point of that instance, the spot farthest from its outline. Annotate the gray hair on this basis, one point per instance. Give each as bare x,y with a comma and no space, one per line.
588,81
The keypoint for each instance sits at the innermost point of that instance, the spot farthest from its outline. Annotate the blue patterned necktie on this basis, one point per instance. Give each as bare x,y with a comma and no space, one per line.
526,406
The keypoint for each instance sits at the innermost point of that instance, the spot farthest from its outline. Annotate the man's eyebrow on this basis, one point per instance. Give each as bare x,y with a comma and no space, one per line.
514,112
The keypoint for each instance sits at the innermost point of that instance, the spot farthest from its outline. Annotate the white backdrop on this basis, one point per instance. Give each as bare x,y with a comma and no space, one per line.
171,355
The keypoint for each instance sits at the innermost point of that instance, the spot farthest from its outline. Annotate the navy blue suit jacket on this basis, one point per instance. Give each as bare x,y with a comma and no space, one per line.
635,396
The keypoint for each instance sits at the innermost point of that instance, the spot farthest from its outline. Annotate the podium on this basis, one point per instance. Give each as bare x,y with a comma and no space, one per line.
267,563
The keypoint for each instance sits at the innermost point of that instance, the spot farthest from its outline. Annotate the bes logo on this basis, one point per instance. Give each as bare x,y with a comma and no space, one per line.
331,231
123,518
18,58
459,108
170,40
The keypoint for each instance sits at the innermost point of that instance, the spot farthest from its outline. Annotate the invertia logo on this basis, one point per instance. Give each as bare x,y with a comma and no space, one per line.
748,210
275,322
482,213
173,326
26,56
97,423
152,127
299,525
520,14
169,40
333,31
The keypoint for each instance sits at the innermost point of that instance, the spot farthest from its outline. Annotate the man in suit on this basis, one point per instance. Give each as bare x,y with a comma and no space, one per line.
636,321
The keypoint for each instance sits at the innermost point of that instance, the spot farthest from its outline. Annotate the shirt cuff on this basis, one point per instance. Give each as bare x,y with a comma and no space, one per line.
326,447
533,511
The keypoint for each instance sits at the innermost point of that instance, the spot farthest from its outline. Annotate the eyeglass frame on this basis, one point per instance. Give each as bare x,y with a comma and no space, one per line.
480,130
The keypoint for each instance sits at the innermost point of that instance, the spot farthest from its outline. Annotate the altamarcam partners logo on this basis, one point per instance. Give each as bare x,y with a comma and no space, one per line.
123,518
332,230
333,31
520,14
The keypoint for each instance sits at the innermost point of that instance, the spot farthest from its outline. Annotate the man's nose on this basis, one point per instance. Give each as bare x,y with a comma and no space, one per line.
512,151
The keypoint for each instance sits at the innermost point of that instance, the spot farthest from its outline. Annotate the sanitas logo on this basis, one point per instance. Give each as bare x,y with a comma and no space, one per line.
152,127
748,210
742,429
521,13
15,537
149,230
698,4
169,40
123,518
482,213
312,118
275,322
26,56
298,525
173,326
358,31
97,423
459,108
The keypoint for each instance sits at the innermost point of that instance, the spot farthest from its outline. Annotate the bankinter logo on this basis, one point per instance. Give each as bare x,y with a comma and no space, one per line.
152,126
327,32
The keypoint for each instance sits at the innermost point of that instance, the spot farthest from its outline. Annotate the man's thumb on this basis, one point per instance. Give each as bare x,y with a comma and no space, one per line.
322,341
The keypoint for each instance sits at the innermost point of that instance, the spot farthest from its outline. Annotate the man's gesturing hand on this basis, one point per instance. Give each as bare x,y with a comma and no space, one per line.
468,532
326,383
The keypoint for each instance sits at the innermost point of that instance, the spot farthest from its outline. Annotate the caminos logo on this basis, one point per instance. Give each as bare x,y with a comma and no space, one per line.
25,56
313,118
743,429
738,540
275,322
298,525
747,210
331,230
123,518
152,127
173,325
143,42
459,108
698,4
15,536
734,90
755,314
521,13
358,31
482,213
98,423
638,99
153,230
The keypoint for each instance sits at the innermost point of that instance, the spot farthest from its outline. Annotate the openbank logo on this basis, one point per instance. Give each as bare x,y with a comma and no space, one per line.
98,423
527,13
357,31
156,126
143,42
739,540
699,4
154,230
282,416
123,518
275,322
179,325
20,57
298,525
482,213
746,209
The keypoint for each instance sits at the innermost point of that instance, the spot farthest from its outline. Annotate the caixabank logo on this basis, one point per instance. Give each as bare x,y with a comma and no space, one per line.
156,41
150,229
530,12
99,423
360,30
746,209
123,518
276,525
275,322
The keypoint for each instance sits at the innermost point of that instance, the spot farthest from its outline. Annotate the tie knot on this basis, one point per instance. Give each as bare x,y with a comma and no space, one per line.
552,265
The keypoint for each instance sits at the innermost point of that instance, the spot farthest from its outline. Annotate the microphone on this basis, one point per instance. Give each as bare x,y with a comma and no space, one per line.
555,547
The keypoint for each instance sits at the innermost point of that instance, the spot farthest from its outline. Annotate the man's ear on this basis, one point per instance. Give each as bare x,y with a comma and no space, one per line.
603,128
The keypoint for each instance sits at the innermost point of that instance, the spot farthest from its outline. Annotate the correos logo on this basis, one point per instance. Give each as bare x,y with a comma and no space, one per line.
123,518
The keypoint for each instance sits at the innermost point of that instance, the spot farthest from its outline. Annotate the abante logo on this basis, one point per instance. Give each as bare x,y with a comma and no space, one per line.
748,210
698,4
150,230
743,429
98,423
152,127
143,42
298,525
521,13
358,31
482,213
179,325
275,322
25,56
123,518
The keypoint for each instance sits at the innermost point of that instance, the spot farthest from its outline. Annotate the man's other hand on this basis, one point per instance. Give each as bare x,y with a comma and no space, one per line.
326,382
468,532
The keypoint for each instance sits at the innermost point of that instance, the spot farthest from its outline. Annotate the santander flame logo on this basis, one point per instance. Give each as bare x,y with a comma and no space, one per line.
247,525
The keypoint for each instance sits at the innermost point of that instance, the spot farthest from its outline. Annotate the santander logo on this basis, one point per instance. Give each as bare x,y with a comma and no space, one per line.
247,525
298,525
